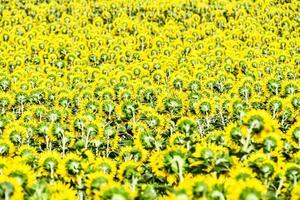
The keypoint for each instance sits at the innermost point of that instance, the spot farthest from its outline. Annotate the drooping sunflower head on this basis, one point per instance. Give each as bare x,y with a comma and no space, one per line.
115,191
96,181
60,190
6,148
129,170
49,162
29,155
104,165
295,194
241,173
260,122
244,190
70,166
10,188
21,172
294,134
186,125
135,154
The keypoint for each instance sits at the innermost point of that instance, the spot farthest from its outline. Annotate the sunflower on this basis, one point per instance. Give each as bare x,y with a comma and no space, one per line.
49,162
23,173
104,165
294,133
7,148
70,167
291,172
186,125
233,136
173,166
10,188
295,194
61,191
96,181
272,142
259,123
29,155
133,153
240,173
251,188
115,191
130,171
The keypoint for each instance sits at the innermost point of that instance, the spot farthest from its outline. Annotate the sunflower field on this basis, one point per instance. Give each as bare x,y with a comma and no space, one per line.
145,100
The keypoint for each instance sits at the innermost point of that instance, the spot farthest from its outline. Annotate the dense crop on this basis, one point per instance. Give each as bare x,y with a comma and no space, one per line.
149,99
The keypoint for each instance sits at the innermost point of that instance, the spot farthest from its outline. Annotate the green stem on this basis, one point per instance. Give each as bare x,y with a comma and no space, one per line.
64,141
200,130
6,195
47,142
222,118
207,121
109,114
134,181
180,173
274,114
279,188
51,171
107,147
80,185
87,139
247,142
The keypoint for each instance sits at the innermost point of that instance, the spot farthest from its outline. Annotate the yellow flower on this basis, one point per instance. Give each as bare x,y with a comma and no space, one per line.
49,162
70,167
10,188
295,194
105,165
96,181
21,172
115,191
61,191
245,189
241,173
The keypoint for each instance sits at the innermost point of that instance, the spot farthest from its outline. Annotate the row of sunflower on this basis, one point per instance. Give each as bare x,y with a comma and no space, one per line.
160,99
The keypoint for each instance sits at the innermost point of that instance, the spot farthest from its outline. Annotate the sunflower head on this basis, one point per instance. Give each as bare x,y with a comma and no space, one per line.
49,162
10,188
60,190
115,191
96,181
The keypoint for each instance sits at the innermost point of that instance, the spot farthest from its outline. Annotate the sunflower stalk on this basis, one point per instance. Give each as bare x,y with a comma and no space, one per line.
188,145
200,128
107,147
180,170
274,114
6,195
134,181
47,141
22,107
278,190
87,139
80,187
246,145
109,115
51,171
246,98
82,131
64,142
207,120
222,118
284,118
